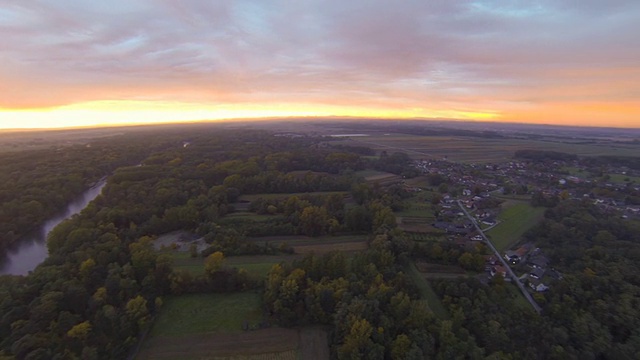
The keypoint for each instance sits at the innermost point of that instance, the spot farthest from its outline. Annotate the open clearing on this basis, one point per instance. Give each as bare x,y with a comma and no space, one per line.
198,313
256,265
209,326
515,220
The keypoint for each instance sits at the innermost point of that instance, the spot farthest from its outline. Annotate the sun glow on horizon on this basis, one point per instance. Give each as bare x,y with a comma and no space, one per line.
127,112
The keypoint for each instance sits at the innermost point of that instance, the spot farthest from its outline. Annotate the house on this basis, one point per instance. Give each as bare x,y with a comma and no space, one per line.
536,273
523,250
491,259
511,256
451,228
537,285
538,261
489,221
498,269
515,256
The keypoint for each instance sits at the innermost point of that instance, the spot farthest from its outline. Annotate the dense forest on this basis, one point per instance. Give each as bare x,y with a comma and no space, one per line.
104,258
103,282
36,184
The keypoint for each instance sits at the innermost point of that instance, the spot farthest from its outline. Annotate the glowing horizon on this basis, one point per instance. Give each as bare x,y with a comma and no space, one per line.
70,63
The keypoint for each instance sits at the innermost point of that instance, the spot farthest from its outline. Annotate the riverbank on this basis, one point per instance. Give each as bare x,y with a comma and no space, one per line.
28,251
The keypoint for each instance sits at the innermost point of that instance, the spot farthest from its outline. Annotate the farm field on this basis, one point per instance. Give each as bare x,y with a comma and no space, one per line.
417,209
515,220
481,150
209,326
418,215
419,181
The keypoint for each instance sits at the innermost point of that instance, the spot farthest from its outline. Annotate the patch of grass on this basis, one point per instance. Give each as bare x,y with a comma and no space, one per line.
575,171
259,270
256,265
427,293
514,222
199,313
517,296
623,179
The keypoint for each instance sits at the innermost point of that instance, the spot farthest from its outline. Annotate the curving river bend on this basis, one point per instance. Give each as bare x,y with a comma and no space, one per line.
31,250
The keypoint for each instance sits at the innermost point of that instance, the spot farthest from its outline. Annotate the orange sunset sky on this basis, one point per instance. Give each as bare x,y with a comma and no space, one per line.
85,63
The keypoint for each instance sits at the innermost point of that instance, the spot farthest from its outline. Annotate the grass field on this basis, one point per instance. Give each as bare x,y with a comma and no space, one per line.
577,172
189,314
256,265
427,293
515,220
209,326
623,179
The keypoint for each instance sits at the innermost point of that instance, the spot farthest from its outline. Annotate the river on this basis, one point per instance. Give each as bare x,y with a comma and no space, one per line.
31,250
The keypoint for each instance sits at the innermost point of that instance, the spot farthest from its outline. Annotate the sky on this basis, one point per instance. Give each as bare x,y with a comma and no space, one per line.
84,63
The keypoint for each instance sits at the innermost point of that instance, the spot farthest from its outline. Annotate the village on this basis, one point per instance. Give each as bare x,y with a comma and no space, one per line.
474,195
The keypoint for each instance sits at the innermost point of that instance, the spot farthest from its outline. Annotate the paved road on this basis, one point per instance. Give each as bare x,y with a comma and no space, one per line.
512,275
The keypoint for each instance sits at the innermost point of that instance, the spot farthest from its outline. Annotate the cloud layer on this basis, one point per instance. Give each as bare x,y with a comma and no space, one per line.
522,60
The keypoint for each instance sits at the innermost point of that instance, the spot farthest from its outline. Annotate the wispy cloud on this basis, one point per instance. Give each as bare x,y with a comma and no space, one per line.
459,55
